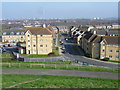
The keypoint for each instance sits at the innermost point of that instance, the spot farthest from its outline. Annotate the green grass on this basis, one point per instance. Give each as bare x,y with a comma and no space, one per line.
44,62
55,65
114,61
47,81
6,55
36,56
55,52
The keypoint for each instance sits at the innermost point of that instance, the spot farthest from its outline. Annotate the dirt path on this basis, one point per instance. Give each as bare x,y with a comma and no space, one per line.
23,83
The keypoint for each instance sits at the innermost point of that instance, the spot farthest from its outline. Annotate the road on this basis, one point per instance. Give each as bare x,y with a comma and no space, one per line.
78,55
61,72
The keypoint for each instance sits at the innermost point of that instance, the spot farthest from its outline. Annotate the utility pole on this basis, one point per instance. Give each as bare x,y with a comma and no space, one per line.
57,36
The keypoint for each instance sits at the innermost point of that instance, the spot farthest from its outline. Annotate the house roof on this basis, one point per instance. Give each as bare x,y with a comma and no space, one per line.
13,32
113,32
45,31
97,39
88,35
109,39
116,29
99,31
92,37
112,39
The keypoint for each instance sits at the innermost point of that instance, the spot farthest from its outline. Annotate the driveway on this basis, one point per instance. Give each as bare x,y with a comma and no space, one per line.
61,72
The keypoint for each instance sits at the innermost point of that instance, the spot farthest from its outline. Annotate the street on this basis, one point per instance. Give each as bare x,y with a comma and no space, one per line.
78,55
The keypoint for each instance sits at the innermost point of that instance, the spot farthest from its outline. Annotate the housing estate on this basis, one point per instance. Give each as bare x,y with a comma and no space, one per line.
36,40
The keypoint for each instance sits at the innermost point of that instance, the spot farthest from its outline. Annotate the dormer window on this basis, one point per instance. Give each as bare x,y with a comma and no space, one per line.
18,33
4,33
22,33
12,33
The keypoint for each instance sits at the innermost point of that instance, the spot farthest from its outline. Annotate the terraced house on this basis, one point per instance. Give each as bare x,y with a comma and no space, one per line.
101,46
10,36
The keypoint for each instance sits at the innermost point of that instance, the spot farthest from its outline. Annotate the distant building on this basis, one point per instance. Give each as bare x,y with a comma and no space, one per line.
100,32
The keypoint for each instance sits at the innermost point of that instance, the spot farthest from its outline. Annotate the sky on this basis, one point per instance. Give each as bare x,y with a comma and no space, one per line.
63,10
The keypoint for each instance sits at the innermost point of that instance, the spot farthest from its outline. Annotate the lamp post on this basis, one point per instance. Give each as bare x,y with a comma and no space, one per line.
18,55
57,36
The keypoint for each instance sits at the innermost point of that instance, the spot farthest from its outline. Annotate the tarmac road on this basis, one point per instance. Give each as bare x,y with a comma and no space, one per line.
61,72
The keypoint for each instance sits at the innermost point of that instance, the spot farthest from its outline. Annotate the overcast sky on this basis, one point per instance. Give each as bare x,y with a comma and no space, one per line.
20,10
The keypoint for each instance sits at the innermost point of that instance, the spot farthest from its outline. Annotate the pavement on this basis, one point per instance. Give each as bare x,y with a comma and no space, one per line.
107,75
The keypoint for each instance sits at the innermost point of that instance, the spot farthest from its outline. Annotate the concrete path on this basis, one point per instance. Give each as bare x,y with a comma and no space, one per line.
61,72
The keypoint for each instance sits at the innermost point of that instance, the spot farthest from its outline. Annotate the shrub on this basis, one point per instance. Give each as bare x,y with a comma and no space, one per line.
106,59
51,54
88,55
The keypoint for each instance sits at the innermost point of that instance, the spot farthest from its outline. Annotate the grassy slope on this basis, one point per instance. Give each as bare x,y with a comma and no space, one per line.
47,81
6,55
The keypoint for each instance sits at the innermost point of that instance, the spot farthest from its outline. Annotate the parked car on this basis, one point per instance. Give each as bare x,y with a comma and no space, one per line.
63,47
63,51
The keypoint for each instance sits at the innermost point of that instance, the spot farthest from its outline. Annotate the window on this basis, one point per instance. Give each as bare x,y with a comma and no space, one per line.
87,48
34,40
34,35
18,33
46,45
110,56
12,33
28,35
21,37
117,51
34,45
41,45
28,40
4,33
103,50
28,45
22,33
110,50
41,40
103,45
117,56
103,56
41,35
41,50
111,45
34,50
97,55
46,50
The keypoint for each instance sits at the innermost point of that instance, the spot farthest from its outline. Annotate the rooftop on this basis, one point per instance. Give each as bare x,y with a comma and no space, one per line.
36,31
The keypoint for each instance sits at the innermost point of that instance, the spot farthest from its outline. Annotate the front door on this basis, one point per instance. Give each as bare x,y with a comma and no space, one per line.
28,51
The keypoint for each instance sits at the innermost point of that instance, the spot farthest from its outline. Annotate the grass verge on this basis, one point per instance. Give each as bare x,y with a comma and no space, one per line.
48,81
55,52
55,65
